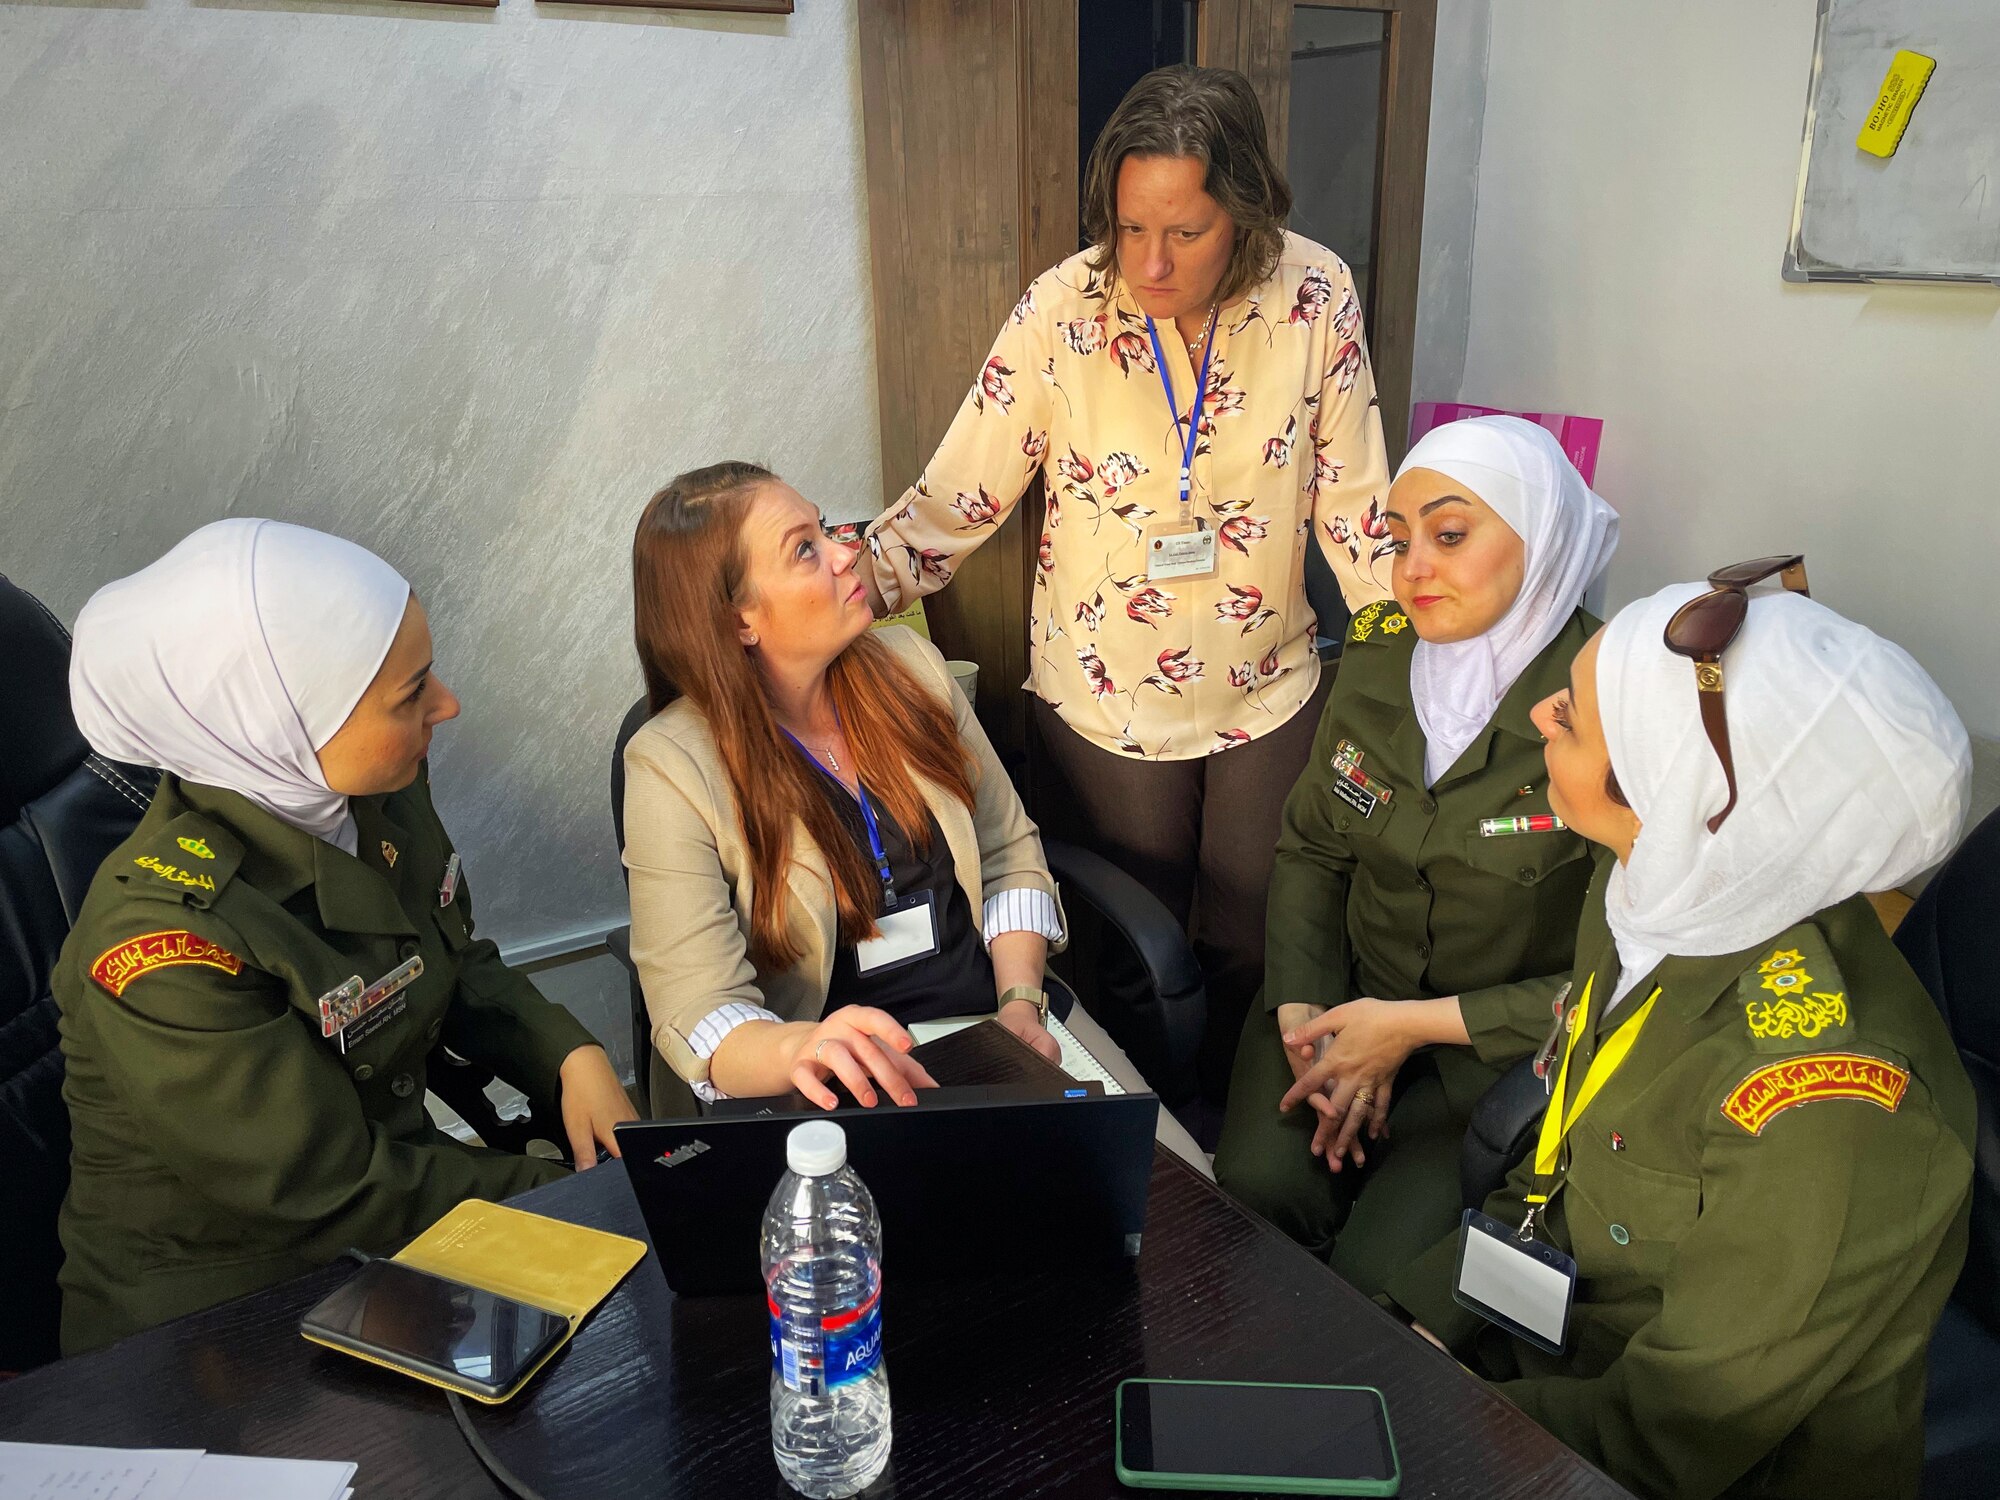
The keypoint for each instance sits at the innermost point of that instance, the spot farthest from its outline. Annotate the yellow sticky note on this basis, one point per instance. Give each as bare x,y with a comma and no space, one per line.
1900,92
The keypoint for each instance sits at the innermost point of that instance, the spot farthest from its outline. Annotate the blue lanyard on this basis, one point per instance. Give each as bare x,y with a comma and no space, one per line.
1200,396
867,816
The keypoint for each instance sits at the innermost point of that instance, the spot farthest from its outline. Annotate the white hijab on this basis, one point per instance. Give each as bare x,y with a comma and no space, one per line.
1567,536
233,659
1852,772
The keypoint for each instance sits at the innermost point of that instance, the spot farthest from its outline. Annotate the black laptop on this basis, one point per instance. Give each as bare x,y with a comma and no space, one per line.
969,1167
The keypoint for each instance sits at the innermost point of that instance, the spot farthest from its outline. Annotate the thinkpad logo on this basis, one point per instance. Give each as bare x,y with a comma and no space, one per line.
686,1153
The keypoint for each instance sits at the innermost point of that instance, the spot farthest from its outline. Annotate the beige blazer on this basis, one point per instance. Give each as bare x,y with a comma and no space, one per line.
691,879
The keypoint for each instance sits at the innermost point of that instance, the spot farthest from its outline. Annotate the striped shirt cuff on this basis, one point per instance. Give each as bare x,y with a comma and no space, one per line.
710,1031
1022,909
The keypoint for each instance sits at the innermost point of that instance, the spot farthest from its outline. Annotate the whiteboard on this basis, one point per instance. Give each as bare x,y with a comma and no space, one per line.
1931,212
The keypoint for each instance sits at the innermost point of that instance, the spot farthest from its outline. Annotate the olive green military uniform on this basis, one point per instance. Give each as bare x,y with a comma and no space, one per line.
1768,1206
221,1141
1389,890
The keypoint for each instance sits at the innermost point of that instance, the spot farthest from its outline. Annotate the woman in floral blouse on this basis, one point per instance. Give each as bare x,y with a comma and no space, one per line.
1172,645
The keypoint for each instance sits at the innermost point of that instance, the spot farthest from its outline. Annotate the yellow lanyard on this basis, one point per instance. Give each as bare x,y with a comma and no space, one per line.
1558,1121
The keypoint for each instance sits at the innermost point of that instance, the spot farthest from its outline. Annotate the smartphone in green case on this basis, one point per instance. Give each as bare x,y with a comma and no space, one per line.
1242,1435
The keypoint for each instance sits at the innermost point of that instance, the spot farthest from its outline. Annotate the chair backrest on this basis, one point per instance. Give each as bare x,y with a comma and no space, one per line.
1947,937
62,809
636,715
1323,594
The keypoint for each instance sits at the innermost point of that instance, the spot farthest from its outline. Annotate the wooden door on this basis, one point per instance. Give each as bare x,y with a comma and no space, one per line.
969,117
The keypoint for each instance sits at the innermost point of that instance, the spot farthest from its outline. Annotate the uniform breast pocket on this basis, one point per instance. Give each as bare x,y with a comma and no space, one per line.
1359,812
1525,858
1626,1220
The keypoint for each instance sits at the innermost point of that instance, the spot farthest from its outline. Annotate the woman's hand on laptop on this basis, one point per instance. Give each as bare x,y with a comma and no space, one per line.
862,1047
593,1103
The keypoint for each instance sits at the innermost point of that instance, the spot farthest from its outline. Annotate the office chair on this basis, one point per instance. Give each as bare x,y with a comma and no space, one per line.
1161,1035
1944,937
63,808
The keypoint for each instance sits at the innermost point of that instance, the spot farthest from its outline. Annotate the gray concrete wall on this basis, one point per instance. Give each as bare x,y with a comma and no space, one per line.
463,285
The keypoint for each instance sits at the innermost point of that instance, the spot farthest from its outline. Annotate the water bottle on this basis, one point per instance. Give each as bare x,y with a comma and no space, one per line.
823,1275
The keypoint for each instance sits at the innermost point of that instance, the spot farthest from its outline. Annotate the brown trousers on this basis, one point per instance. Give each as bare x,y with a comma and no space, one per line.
1201,835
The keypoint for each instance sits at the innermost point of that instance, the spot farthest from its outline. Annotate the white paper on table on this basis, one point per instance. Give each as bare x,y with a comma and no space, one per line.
50,1471
224,1477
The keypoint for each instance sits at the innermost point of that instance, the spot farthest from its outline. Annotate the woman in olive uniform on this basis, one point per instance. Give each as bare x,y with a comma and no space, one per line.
1392,878
1765,1177
259,973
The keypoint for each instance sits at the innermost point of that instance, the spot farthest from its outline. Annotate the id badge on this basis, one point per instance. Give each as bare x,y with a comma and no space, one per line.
908,933
340,1007
1524,1286
1179,552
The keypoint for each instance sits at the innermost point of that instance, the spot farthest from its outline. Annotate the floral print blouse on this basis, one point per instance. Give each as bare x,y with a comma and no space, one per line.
1290,434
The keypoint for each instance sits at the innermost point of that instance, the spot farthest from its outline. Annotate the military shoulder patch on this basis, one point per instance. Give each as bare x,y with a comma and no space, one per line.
1779,1086
190,860
1795,995
1379,618
116,968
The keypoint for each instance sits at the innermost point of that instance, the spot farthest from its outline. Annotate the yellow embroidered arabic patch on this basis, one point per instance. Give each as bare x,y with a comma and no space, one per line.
1365,619
174,873
1805,1016
197,848
117,967
1803,1080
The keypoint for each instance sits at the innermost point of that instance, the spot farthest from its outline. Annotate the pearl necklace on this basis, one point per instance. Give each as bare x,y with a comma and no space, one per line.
1194,344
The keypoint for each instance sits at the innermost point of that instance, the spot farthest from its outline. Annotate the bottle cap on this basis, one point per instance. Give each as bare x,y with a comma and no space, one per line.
816,1149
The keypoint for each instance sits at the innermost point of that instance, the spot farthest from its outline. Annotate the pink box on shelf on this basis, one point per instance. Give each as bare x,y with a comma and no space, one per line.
1579,436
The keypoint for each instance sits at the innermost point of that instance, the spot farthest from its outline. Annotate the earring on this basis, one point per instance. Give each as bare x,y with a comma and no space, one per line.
753,639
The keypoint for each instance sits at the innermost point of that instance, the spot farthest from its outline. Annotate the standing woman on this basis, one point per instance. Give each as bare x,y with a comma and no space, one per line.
1419,857
260,972
1194,390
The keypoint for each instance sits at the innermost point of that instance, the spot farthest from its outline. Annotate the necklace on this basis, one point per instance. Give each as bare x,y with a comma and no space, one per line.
1194,344
826,754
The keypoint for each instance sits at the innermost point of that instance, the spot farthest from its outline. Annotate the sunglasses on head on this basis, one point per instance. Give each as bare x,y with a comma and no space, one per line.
1702,629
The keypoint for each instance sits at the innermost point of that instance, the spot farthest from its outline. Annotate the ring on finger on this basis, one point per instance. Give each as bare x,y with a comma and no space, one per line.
816,1049
1364,1095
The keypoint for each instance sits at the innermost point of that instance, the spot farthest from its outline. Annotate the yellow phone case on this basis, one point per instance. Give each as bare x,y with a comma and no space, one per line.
545,1262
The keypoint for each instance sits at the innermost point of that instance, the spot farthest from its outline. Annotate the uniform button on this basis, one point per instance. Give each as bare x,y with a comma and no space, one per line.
1527,874
365,1072
1423,950
1619,1235
434,1029
1423,884
403,1085
1345,823
1428,806
409,949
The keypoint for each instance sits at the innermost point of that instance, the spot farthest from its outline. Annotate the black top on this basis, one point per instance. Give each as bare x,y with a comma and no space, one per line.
957,980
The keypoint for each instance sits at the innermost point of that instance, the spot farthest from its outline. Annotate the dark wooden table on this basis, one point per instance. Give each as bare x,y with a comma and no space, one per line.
1002,1382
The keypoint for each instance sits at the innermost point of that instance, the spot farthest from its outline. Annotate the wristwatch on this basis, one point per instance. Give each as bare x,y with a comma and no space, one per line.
1033,994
